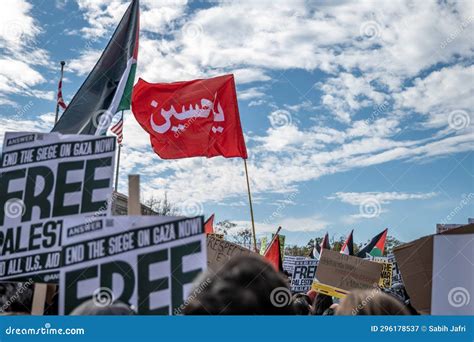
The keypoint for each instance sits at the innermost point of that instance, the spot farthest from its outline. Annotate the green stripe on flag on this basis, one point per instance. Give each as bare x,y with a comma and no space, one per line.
126,100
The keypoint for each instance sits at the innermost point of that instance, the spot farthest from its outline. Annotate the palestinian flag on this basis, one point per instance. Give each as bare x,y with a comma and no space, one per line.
108,88
209,225
273,254
316,252
348,246
375,247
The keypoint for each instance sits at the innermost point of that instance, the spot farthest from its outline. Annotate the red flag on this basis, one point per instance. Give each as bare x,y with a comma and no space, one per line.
209,225
273,255
191,119
348,246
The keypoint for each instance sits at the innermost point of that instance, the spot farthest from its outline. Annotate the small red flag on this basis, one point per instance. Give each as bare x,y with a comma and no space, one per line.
209,225
191,119
273,255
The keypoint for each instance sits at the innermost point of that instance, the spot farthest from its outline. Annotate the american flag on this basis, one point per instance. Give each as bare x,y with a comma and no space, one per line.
60,93
117,129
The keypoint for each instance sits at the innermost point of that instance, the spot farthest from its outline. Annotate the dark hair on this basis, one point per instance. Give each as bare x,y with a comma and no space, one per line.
322,302
89,308
370,302
301,304
245,285
16,297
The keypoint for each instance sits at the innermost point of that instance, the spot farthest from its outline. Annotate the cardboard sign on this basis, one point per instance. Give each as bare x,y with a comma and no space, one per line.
415,260
303,275
219,252
346,271
453,281
149,263
43,179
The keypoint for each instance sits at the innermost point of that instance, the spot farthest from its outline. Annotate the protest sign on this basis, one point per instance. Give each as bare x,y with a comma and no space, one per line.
396,275
347,272
453,286
219,252
149,263
289,262
386,275
415,260
43,179
303,275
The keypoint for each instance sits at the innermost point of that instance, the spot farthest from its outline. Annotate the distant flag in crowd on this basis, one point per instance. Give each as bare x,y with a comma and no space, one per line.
60,99
317,249
348,246
375,247
117,129
209,225
107,90
273,254
192,118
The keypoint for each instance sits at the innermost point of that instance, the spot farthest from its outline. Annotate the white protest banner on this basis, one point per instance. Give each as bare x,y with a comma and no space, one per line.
44,178
289,262
303,275
453,283
148,262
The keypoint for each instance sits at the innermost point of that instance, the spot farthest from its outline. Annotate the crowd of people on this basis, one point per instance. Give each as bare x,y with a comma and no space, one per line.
249,285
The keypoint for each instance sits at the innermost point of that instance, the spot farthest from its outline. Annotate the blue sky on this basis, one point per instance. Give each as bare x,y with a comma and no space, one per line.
356,116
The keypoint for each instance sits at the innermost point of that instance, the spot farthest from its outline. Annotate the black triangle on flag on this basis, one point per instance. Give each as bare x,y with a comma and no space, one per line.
108,88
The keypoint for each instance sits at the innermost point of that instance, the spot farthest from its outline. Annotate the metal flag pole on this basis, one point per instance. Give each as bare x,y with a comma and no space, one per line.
118,162
273,239
57,102
251,207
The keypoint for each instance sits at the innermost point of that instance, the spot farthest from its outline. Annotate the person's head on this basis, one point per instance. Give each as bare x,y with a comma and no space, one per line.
370,302
301,304
89,308
16,298
321,303
246,285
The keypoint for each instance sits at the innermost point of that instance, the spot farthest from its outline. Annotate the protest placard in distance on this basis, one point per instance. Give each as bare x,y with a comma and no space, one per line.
148,262
304,271
347,272
219,252
44,178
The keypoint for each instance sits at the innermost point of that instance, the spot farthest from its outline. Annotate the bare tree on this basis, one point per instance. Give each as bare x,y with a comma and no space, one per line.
162,207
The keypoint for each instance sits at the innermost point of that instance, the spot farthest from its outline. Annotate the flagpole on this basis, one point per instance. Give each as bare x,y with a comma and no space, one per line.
57,102
118,163
251,207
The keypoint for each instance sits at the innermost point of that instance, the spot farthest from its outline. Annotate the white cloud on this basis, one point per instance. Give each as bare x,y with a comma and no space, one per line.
358,198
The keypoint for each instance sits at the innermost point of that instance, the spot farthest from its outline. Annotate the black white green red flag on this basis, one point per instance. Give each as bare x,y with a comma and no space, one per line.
375,247
108,88
348,246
